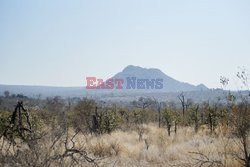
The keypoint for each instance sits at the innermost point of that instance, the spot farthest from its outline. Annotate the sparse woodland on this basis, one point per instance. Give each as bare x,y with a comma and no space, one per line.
86,132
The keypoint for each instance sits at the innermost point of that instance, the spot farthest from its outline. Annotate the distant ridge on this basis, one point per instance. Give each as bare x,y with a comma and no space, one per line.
169,85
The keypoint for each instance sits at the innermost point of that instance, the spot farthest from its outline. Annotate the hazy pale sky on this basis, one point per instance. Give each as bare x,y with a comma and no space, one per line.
60,43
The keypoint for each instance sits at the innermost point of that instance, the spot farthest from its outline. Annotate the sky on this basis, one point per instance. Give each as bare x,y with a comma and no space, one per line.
61,42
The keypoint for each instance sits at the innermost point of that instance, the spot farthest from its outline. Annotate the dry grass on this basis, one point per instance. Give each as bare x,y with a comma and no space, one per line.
123,148
156,148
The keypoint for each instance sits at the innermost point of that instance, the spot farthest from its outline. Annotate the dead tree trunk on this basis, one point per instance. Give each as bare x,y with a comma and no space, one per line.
159,115
182,100
13,127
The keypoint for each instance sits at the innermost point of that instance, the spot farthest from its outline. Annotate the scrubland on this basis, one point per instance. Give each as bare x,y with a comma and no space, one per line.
55,132
124,148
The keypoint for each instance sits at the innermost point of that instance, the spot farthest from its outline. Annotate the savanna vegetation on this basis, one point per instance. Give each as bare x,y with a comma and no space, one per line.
86,132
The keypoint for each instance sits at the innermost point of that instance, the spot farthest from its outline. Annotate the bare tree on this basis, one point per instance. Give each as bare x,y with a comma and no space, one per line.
183,103
142,104
31,151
